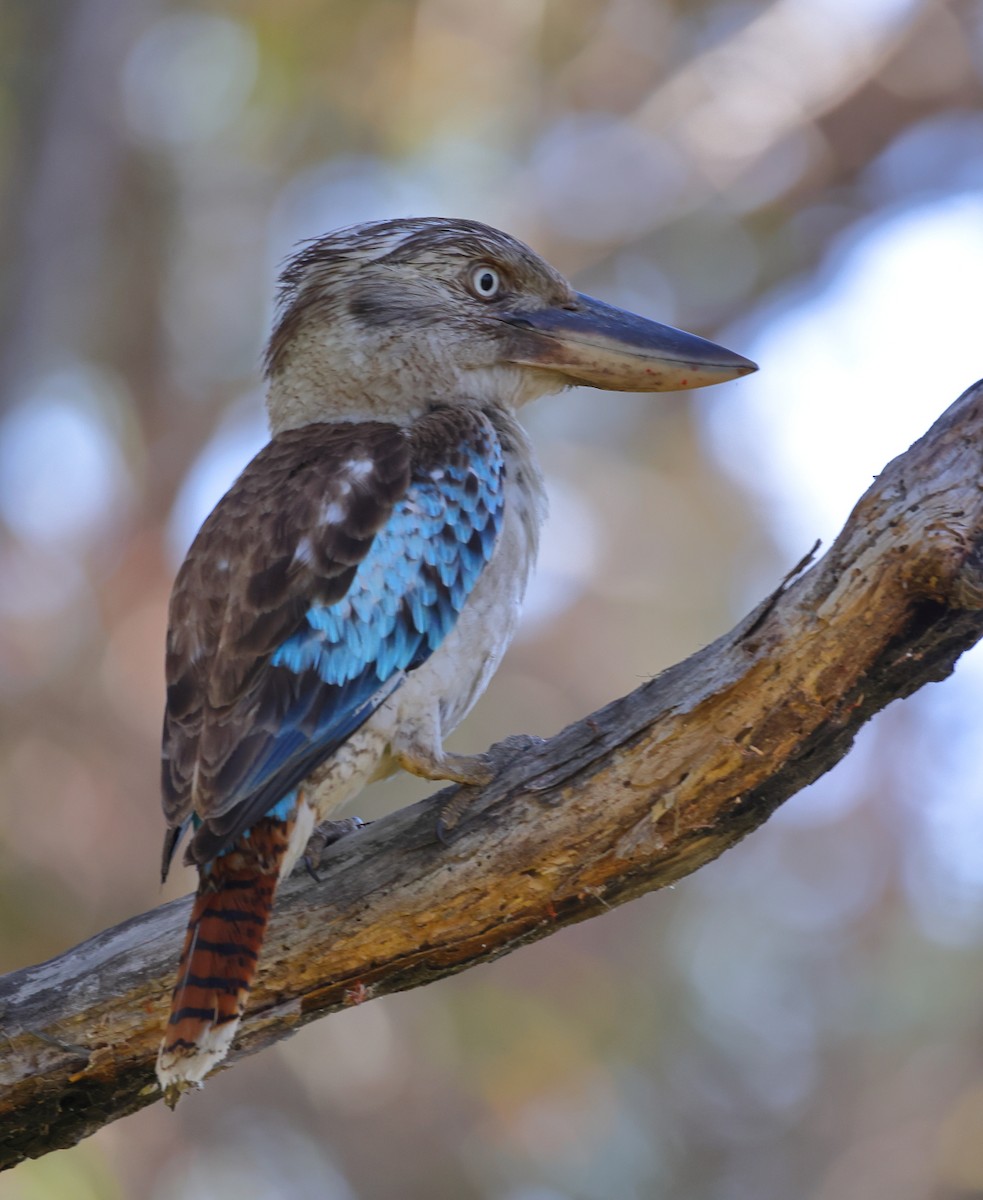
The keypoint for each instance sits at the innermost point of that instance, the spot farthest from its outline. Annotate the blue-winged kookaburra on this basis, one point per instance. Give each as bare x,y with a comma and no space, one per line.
351,595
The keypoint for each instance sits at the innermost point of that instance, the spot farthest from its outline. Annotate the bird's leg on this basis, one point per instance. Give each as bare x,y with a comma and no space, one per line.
325,835
470,770
418,748
459,768
516,745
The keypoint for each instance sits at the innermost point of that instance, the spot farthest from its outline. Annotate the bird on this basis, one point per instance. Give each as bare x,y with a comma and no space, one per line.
349,598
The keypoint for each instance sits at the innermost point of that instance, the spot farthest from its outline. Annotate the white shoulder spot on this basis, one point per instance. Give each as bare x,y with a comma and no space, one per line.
304,553
332,513
359,468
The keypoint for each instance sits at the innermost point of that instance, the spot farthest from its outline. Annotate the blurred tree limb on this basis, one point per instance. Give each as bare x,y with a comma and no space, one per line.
636,796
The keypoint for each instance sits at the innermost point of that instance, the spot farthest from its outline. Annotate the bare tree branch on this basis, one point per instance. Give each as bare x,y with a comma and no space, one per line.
634,797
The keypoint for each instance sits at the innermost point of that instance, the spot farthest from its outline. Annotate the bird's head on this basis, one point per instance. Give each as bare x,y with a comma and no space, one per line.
381,321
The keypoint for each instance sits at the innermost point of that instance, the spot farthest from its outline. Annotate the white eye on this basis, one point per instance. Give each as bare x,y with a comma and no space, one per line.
485,282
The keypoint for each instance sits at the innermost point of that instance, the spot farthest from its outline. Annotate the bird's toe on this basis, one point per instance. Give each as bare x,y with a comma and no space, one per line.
325,835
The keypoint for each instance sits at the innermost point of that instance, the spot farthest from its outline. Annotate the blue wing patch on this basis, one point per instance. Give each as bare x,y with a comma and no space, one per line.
405,598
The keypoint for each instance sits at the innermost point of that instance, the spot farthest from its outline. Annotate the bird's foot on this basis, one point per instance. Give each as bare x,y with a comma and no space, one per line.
325,835
450,814
495,761
471,771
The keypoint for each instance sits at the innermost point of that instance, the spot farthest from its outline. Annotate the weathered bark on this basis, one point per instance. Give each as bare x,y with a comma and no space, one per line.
634,797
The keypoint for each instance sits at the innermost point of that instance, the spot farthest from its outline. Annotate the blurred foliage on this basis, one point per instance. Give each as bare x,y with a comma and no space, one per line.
801,1019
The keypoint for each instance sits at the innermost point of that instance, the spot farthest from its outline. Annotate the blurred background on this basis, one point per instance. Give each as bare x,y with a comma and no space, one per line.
800,179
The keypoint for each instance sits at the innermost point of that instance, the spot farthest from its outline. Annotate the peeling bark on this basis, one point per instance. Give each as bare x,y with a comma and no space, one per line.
627,800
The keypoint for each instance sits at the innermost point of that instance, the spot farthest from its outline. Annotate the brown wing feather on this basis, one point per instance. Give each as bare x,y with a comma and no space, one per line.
290,532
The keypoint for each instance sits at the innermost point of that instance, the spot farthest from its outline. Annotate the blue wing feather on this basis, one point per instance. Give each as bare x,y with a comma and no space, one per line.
404,600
